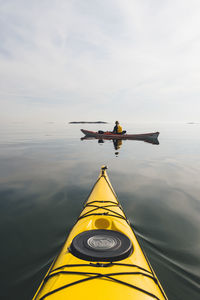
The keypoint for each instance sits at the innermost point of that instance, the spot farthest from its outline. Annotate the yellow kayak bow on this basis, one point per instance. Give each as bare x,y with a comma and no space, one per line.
101,258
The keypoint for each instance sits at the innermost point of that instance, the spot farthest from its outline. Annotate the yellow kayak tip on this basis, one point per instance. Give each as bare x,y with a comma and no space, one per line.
101,258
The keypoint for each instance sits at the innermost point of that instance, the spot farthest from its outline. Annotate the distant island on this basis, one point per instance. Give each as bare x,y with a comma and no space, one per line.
88,122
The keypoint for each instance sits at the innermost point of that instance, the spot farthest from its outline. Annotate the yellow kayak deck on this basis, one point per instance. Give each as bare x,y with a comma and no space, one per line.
101,273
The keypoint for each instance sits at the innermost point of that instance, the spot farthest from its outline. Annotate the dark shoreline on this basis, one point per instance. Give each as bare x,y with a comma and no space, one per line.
88,122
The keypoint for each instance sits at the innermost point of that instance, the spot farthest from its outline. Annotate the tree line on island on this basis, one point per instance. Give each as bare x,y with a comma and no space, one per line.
88,122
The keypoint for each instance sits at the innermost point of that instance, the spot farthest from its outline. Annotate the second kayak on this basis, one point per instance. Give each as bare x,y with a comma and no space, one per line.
111,135
101,258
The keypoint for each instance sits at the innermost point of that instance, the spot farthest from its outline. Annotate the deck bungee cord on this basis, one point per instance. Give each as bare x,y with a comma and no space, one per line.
108,212
99,275
101,256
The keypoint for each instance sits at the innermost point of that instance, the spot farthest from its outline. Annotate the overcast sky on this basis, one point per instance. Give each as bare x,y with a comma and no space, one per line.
132,60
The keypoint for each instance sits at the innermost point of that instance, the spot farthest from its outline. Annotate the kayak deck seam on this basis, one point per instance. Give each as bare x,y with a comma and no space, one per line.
109,185
99,275
102,265
102,201
102,214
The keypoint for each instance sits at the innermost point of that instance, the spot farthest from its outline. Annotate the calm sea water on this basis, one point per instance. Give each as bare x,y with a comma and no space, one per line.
46,173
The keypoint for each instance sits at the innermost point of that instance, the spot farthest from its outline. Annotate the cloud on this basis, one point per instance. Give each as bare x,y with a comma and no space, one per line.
93,57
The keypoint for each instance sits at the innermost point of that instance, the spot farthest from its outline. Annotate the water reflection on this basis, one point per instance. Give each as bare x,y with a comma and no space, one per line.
117,143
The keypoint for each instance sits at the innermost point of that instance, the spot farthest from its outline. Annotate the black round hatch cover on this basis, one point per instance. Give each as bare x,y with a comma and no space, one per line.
101,245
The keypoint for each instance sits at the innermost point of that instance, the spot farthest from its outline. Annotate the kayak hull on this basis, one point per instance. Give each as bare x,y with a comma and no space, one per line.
111,136
71,277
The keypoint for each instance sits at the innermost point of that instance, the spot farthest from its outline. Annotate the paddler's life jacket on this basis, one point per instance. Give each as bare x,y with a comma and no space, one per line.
117,129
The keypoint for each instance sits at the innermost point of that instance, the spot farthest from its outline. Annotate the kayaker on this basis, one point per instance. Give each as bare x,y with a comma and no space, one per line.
117,128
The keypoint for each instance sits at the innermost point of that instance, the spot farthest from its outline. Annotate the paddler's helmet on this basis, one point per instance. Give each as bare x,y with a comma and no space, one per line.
117,122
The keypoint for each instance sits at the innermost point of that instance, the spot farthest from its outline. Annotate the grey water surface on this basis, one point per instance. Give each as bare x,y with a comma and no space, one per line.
46,173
